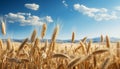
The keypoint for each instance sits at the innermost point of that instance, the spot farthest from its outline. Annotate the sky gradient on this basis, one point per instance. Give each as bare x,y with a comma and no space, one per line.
89,18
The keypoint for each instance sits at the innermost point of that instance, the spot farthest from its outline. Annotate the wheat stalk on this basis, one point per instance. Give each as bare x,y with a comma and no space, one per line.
1,44
44,28
73,37
45,46
33,35
73,62
55,33
36,44
95,61
100,51
9,44
3,27
77,48
14,60
53,46
78,60
118,48
22,45
107,42
84,39
102,39
89,45
105,64
60,55
83,47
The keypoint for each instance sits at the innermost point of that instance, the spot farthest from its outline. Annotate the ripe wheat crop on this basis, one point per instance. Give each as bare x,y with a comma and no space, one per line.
32,53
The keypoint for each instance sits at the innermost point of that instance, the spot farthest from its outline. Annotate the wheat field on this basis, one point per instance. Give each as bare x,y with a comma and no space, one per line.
34,54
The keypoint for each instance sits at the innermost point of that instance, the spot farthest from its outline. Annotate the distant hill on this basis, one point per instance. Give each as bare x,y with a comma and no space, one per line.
112,39
97,39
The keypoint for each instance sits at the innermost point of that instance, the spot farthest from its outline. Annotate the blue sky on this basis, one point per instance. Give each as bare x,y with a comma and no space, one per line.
89,18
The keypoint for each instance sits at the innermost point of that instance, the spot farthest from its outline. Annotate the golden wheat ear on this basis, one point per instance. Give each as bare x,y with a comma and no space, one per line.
73,62
83,47
44,28
1,44
56,30
36,44
107,41
22,45
84,39
89,46
9,44
60,55
33,35
78,60
100,51
3,28
73,37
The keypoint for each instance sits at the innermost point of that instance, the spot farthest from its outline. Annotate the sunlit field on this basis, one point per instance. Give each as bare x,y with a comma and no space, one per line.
32,53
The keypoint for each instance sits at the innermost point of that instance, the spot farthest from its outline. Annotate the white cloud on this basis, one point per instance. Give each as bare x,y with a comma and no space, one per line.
98,14
15,17
49,19
117,8
64,3
105,16
27,19
32,6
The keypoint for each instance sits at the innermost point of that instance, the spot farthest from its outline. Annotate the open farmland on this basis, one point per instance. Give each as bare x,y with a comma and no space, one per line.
35,54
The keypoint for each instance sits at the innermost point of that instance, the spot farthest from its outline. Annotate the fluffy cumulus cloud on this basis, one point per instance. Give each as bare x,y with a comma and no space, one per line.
64,3
32,6
49,19
27,19
98,14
